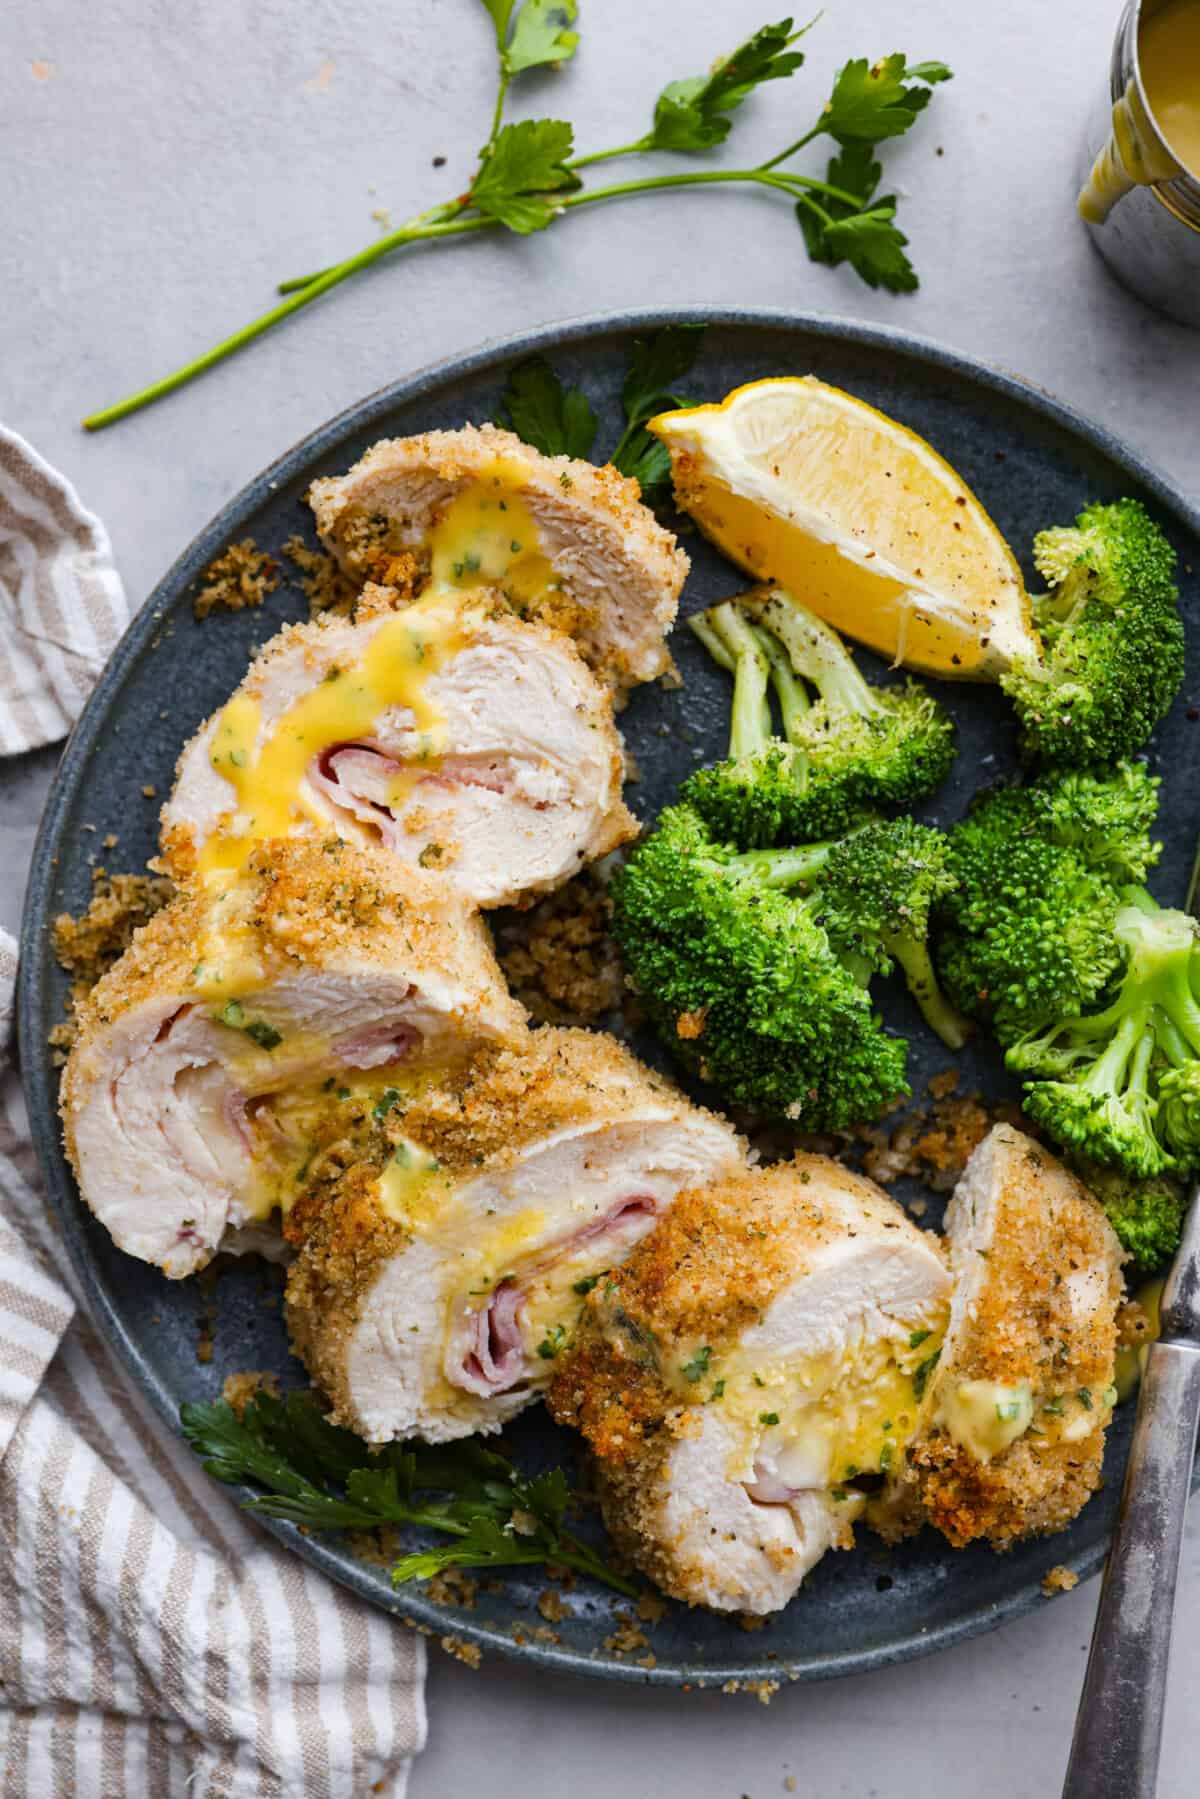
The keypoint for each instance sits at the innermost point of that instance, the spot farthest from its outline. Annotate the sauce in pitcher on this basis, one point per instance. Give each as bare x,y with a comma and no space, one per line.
1169,55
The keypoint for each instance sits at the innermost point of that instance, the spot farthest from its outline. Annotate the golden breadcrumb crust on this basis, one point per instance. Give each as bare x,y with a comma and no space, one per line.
345,1239
242,575
320,904
86,947
1021,1325
555,1080
358,520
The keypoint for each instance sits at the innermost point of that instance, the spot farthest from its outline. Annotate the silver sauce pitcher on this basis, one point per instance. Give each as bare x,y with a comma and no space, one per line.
1141,206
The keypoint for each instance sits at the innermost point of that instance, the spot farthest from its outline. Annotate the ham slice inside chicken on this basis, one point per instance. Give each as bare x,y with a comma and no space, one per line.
495,1359
361,778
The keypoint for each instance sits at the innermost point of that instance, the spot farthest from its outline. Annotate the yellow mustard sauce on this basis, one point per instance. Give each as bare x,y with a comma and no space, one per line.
267,772
1169,54
487,537
821,1419
1169,58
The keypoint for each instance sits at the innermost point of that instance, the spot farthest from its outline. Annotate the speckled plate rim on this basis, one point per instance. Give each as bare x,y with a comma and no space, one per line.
40,1086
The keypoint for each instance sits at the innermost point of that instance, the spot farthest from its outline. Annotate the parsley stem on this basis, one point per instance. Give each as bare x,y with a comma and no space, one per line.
435,215
498,114
586,1563
793,148
633,149
423,230
763,177
622,443
313,289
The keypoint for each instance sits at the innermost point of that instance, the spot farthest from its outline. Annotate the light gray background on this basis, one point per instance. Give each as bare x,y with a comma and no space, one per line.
161,165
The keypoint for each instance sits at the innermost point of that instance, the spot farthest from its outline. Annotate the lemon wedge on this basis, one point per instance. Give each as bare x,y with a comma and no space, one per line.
801,484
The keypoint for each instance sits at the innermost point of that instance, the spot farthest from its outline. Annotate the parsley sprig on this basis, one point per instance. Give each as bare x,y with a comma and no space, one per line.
529,175
323,1478
558,419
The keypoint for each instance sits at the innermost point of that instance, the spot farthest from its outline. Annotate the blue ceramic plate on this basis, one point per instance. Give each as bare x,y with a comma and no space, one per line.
1033,463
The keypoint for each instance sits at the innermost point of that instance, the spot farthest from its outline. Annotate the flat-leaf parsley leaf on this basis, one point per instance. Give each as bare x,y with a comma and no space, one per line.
693,114
554,418
322,1478
522,171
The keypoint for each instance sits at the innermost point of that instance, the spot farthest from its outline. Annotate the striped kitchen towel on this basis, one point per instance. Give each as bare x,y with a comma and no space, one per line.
62,605
154,1641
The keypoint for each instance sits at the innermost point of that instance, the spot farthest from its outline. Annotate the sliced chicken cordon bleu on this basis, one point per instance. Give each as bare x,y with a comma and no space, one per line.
450,733
1016,1407
442,1264
204,1055
564,541
753,1360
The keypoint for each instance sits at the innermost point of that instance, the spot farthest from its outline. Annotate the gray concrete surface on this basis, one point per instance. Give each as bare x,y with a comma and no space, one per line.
164,164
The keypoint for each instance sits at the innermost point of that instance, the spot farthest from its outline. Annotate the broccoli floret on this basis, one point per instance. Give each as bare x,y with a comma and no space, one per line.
845,744
1179,1107
1107,815
1027,930
1100,1076
743,982
1147,1215
875,891
1112,636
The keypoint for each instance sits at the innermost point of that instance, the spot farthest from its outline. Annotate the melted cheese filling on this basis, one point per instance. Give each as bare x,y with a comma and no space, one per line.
267,770
986,1417
412,1188
814,1422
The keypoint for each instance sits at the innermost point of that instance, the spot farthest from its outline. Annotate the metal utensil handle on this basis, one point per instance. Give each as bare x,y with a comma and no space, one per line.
1118,1731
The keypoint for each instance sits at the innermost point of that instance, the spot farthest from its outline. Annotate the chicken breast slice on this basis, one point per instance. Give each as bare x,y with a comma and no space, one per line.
439,1278
449,733
751,1361
203,1055
1017,1406
569,543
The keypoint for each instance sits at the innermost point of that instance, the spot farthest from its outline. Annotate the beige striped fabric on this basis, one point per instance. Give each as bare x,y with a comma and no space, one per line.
62,605
154,1641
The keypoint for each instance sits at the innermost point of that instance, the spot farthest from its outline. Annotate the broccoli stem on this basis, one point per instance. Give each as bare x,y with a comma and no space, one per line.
750,724
917,964
784,867
1114,1071
818,655
794,703
1173,1043
700,627
1162,951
